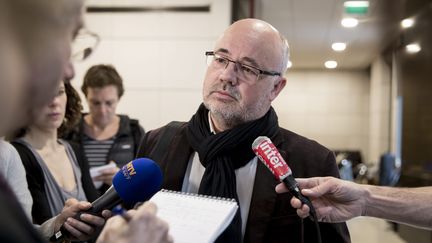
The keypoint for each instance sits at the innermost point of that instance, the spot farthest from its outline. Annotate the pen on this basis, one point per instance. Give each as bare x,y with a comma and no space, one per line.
119,210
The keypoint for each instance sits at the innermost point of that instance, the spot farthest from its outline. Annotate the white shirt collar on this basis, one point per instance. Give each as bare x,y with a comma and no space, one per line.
212,130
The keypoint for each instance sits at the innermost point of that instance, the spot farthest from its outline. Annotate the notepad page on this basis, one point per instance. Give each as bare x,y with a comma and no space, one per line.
194,218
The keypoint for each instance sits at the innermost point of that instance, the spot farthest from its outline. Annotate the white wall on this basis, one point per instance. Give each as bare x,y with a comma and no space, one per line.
331,107
160,56
379,109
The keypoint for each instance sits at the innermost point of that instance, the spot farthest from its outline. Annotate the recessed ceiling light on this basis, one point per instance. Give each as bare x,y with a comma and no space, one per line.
289,64
330,64
338,46
413,48
349,22
407,23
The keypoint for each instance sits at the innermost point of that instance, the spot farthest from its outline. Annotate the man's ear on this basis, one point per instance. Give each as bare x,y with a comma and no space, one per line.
277,88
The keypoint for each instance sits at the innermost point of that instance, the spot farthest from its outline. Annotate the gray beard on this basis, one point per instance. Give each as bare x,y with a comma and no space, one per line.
231,119
232,116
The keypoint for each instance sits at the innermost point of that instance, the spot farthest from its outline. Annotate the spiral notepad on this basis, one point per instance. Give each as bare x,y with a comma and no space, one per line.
192,217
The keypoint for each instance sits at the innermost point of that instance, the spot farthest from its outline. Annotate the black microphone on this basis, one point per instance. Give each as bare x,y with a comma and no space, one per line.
137,181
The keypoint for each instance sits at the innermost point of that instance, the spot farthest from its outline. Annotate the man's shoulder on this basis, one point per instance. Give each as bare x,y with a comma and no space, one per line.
159,142
295,143
293,139
166,132
178,125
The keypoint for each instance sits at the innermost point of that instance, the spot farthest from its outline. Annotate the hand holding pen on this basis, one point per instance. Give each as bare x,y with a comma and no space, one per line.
140,225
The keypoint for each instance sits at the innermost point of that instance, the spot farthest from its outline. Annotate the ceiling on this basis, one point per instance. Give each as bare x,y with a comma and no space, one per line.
311,26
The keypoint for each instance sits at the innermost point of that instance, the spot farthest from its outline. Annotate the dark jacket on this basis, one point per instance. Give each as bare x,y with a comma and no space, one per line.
125,144
271,217
35,179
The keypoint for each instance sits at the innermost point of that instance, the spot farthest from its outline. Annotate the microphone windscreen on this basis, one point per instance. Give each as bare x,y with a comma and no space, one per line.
138,180
267,152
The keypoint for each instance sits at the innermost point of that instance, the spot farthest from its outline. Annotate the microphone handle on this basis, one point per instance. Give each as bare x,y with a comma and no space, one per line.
107,201
294,189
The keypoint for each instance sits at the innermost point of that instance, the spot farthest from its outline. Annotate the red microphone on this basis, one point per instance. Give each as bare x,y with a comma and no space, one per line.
270,156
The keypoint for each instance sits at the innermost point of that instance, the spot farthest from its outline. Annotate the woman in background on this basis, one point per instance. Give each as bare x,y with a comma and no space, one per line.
106,137
54,171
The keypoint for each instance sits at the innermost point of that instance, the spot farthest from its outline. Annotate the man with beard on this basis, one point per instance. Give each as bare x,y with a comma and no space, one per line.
211,154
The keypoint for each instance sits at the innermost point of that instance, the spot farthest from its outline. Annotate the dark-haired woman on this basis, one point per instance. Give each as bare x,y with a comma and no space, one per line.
54,171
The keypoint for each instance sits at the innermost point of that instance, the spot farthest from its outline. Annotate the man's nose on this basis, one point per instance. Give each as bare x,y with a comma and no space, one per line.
230,74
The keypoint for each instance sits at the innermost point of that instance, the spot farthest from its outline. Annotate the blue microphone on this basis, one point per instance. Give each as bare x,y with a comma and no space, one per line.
137,181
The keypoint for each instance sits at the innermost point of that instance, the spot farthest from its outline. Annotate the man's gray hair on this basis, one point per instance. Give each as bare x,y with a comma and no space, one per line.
285,54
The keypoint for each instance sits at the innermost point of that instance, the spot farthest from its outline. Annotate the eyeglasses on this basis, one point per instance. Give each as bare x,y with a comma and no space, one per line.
245,72
84,45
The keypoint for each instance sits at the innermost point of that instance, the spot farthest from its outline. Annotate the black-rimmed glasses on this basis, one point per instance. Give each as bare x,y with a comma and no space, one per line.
246,72
84,45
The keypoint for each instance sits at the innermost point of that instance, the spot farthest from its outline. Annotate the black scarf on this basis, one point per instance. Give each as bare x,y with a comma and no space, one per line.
222,153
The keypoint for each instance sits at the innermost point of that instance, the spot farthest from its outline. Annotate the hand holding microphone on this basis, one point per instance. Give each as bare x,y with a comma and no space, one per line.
335,200
78,229
137,181
270,156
